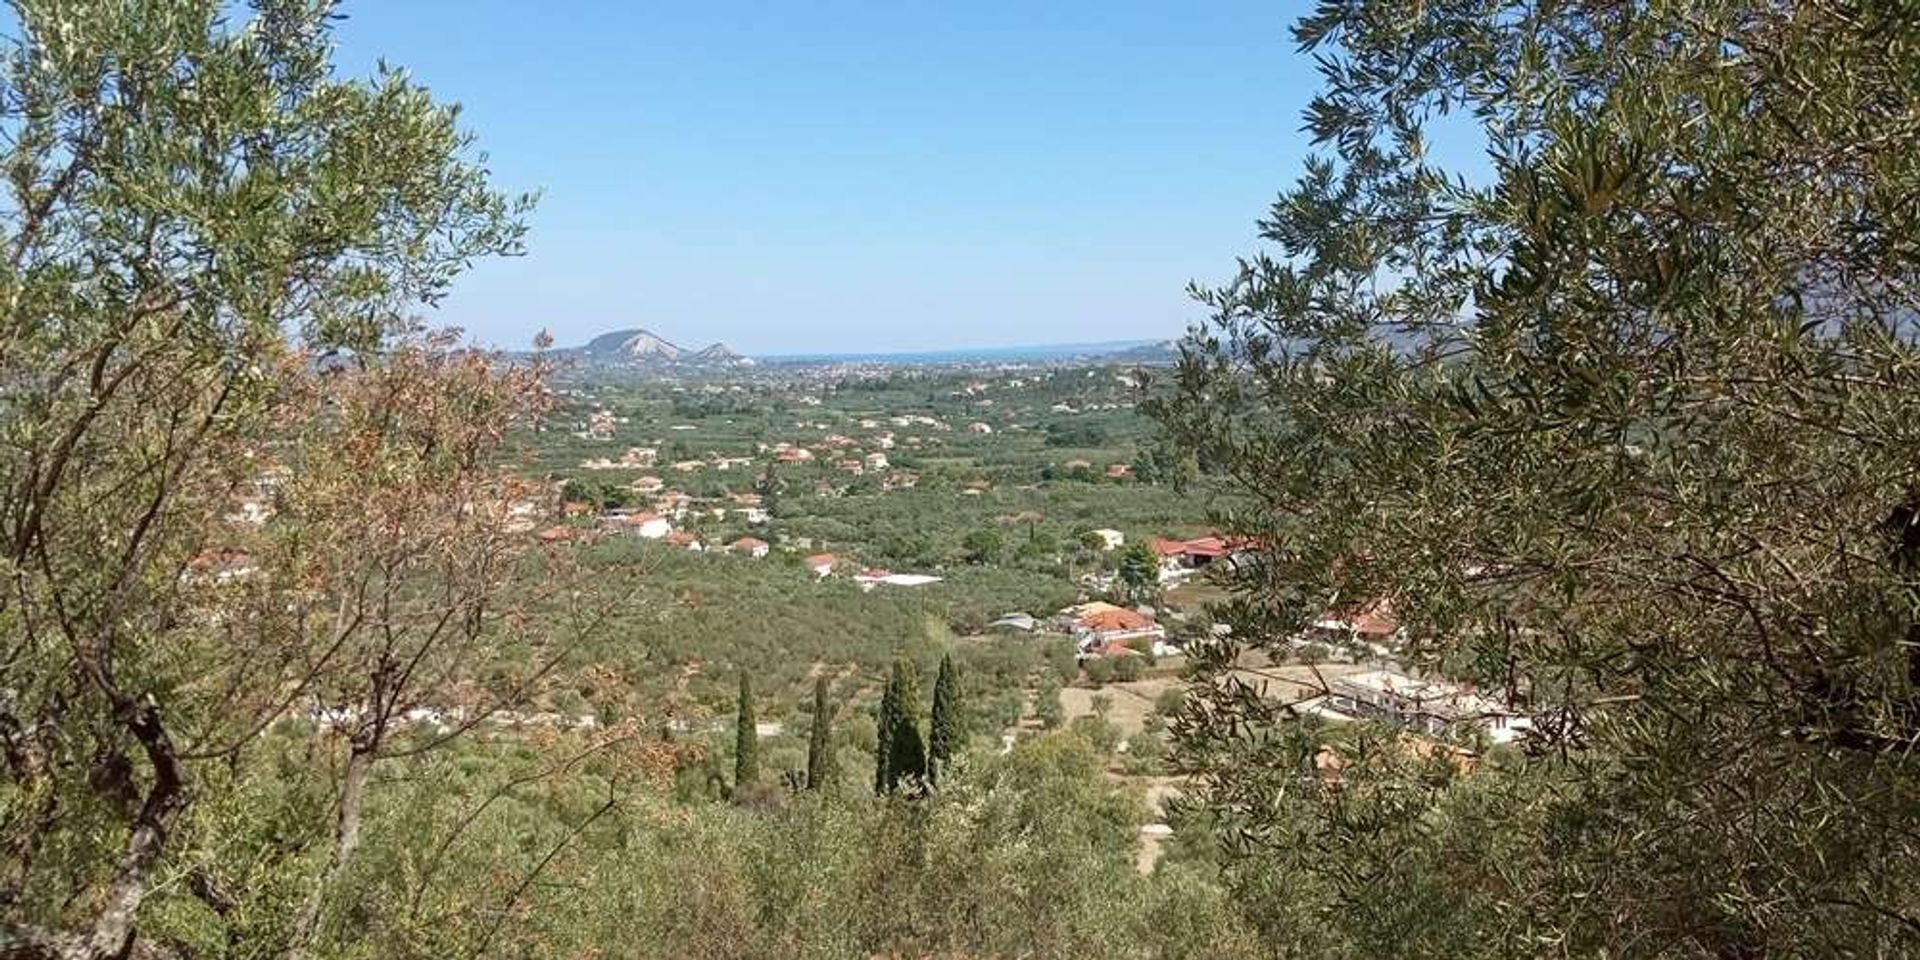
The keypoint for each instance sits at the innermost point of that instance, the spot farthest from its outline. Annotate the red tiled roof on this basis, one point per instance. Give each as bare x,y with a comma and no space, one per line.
1107,621
1198,547
1206,547
1376,620
1372,620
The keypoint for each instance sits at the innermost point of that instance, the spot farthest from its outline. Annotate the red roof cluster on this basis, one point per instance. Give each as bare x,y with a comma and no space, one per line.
1110,621
1197,547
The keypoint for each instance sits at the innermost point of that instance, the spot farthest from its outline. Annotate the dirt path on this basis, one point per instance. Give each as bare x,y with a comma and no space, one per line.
1154,834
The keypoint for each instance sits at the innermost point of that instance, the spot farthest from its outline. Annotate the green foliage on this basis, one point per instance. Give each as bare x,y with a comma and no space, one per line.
982,546
1100,670
746,739
821,768
1139,572
196,206
905,747
1046,701
946,731
1623,423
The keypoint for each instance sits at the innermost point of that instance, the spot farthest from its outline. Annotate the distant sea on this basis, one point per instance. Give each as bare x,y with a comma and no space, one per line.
1042,352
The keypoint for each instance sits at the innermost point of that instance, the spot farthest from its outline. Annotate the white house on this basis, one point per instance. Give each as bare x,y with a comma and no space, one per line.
751,546
1432,707
1109,539
1098,627
651,526
868,579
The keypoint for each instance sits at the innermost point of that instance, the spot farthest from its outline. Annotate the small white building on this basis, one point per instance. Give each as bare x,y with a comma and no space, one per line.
1433,707
751,546
1110,539
650,526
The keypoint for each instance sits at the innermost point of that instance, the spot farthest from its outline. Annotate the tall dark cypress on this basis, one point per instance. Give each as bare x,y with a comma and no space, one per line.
746,740
906,751
820,744
883,743
944,735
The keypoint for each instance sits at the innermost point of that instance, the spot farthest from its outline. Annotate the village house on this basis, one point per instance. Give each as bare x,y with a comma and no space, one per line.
1100,628
685,540
980,428
751,546
649,526
1109,538
1432,707
821,564
673,503
1369,623
1119,471
1022,622
869,578
599,425
875,461
647,485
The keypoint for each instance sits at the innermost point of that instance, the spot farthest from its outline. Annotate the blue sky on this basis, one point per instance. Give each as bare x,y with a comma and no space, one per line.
859,176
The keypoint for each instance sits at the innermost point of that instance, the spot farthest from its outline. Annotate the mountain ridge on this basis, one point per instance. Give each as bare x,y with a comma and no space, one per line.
638,345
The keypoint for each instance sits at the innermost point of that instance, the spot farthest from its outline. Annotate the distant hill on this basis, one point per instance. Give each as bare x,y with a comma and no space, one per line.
1112,351
644,350
639,347
1159,351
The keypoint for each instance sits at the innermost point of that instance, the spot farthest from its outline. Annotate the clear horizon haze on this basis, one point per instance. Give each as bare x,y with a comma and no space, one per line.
859,177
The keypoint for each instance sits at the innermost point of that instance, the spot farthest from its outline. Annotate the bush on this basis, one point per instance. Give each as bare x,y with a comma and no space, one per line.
1170,701
1128,669
1099,670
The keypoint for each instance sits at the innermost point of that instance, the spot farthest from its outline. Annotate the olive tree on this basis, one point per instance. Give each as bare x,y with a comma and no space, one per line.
1623,423
197,216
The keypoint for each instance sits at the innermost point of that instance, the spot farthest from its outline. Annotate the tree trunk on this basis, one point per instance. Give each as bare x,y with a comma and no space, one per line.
353,792
113,928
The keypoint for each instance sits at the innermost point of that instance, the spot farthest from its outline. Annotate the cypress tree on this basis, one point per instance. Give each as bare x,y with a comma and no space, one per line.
883,743
746,740
906,749
943,734
819,744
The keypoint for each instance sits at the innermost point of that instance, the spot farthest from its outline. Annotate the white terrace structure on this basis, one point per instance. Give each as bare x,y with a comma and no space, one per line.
1433,707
